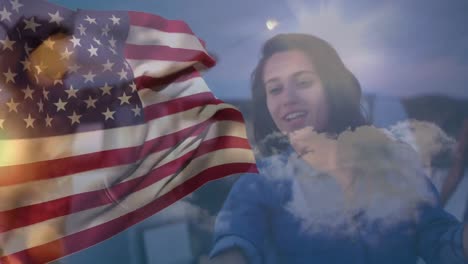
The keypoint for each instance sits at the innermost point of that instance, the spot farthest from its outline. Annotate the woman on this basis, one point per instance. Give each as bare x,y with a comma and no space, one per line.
304,207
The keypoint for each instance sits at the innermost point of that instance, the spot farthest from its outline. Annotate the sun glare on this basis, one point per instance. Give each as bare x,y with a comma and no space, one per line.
271,24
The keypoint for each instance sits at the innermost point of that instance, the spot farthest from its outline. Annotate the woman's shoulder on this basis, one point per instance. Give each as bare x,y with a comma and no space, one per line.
261,184
270,183
274,180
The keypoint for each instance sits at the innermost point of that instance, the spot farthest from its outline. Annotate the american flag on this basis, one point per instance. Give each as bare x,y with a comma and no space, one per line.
104,121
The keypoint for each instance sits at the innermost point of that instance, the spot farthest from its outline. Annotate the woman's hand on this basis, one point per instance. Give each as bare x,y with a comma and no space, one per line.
318,150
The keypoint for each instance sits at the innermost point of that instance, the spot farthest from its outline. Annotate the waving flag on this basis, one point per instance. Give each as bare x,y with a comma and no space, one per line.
104,121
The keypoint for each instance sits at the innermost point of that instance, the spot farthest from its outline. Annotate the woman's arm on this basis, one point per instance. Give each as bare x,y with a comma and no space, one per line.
456,171
243,222
441,238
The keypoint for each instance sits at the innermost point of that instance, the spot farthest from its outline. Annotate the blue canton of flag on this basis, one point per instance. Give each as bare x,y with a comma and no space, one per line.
70,73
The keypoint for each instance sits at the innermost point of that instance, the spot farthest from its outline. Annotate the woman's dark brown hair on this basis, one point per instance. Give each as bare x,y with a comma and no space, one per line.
342,89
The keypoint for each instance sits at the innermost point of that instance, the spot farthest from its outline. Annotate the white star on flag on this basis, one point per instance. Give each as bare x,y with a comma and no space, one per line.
75,41
82,30
71,92
7,43
106,89
12,106
55,18
109,114
30,24
41,106
26,64
58,81
92,51
113,51
29,121
108,66
5,15
133,86
124,99
90,20
10,76
27,49
40,67
115,20
112,42
136,110
97,41
48,121
60,105
49,43
16,5
45,94
105,30
65,55
28,92
74,118
74,68
90,102
122,74
89,77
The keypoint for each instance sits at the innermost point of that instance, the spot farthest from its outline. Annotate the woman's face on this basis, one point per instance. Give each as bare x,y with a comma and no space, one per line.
294,92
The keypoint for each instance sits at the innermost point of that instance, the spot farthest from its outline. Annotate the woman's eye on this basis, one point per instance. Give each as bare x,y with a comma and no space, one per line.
274,90
304,83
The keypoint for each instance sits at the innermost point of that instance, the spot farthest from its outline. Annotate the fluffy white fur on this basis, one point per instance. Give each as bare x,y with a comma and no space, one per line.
360,172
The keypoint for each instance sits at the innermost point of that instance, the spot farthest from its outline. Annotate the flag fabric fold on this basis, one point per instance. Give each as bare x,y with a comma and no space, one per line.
104,121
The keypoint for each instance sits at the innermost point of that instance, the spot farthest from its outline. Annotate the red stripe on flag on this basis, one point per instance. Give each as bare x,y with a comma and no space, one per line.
28,215
154,52
94,235
156,22
56,168
158,84
179,105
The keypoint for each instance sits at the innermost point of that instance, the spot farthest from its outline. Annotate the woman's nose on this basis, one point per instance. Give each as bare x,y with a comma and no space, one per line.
291,95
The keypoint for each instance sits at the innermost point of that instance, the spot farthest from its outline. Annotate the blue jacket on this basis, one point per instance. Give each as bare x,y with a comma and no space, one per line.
254,220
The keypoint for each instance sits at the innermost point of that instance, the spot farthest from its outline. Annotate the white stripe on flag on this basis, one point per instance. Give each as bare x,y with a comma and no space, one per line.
174,90
148,36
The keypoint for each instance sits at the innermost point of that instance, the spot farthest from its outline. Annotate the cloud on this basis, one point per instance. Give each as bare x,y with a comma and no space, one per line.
370,174
349,37
395,49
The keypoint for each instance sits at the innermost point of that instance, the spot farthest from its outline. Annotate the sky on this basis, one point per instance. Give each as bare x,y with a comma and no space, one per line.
397,48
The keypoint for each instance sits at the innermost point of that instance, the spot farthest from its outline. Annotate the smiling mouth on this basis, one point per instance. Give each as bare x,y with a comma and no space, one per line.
294,115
